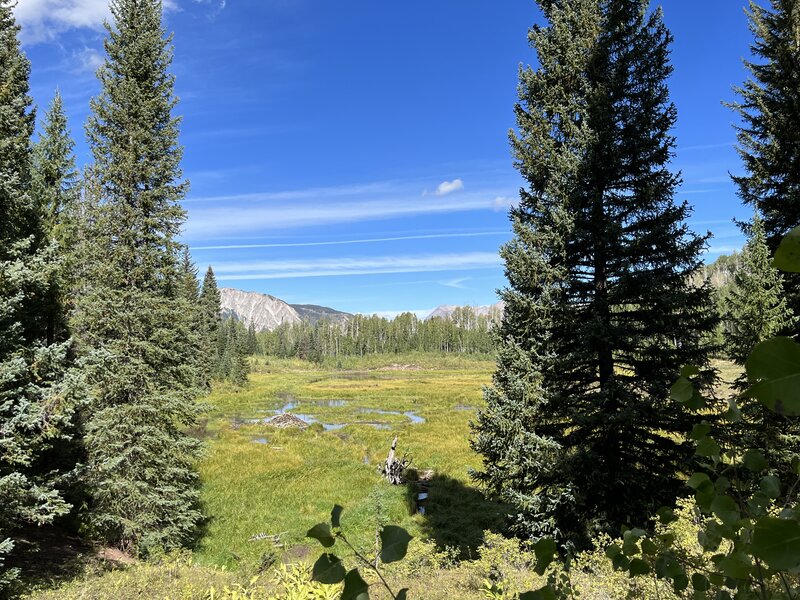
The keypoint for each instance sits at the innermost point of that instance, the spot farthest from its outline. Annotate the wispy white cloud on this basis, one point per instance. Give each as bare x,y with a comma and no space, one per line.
327,267
87,60
455,283
713,250
431,236
706,146
448,187
503,203
242,215
43,20
301,194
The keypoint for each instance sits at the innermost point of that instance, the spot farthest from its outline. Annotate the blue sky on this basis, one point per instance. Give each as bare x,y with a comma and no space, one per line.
354,154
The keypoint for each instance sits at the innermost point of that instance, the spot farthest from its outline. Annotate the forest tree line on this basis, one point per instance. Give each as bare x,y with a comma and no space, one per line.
464,332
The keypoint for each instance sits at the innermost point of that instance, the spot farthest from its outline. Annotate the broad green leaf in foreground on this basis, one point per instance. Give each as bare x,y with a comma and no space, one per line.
394,543
545,593
322,533
774,367
336,515
777,543
355,588
328,569
787,256
545,550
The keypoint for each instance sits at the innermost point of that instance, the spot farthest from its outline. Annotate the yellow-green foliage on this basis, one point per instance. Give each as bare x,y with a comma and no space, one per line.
173,578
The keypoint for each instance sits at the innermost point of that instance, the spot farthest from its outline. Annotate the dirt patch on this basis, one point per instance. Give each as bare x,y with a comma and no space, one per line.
399,367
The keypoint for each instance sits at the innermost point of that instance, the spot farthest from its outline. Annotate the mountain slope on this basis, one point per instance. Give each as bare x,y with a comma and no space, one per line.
265,312
313,313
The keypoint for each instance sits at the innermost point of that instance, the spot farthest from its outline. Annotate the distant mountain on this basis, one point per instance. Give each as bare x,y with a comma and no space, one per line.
445,311
266,312
313,313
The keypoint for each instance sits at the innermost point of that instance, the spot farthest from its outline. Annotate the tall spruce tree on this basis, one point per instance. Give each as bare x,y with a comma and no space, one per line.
579,432
131,315
211,311
55,188
55,179
769,137
756,308
37,394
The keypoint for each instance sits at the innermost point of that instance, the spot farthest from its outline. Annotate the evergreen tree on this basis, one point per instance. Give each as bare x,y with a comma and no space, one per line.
579,432
55,189
55,180
37,395
131,315
211,316
769,137
251,347
755,309
189,295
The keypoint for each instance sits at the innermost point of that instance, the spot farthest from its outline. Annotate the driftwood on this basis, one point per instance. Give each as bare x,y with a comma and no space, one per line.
393,469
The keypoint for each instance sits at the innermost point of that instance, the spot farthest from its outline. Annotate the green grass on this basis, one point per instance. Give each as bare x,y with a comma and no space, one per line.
286,485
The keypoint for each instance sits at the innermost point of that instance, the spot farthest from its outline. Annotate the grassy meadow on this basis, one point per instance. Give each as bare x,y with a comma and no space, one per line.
264,487
262,480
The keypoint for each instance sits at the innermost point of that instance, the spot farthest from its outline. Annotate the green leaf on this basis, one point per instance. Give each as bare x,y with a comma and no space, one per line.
545,551
649,547
638,567
759,504
690,371
620,562
738,565
722,484
630,539
700,430
336,515
613,550
697,480
545,593
322,533
709,539
682,390
402,594
707,447
775,367
700,582
355,588
755,461
787,256
680,582
777,543
771,486
666,515
328,569
726,510
394,543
